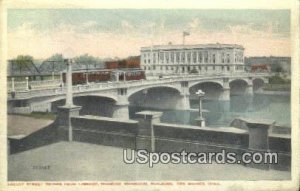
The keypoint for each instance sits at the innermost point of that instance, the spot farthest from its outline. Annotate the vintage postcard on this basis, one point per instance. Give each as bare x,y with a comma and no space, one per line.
150,95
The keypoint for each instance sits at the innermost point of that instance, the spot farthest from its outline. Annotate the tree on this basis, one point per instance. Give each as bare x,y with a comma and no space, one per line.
23,61
86,60
56,57
54,62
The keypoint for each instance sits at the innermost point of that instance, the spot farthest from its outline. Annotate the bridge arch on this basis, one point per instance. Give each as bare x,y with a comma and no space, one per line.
91,104
133,91
258,84
212,89
238,86
157,97
195,83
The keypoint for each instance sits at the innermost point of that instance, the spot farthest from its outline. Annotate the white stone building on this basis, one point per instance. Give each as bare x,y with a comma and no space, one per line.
163,60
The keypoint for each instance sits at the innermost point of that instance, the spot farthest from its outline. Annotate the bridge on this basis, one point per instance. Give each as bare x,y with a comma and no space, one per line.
112,99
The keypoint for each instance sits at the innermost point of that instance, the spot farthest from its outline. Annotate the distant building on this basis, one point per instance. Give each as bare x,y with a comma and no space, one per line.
276,64
202,58
130,62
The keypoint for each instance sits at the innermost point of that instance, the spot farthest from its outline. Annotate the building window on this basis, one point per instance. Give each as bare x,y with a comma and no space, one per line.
200,57
199,67
214,58
189,68
236,57
153,67
172,57
206,57
189,57
182,69
222,67
223,57
182,57
167,57
194,57
228,58
177,57
149,61
154,58
161,57
228,68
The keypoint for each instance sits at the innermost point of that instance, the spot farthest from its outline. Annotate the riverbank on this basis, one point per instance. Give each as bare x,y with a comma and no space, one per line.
280,93
278,87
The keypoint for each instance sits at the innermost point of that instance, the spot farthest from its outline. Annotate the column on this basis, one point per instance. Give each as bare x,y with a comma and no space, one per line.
146,135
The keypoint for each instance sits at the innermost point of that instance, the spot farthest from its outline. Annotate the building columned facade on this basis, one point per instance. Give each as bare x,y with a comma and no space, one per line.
185,59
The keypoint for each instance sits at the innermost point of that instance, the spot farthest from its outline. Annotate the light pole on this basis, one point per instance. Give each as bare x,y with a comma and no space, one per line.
69,110
200,119
69,96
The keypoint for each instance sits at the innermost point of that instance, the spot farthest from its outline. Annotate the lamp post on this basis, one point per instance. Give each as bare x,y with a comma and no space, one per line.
200,119
69,95
69,110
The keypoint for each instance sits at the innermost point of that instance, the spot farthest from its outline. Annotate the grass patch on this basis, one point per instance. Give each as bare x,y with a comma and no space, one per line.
40,115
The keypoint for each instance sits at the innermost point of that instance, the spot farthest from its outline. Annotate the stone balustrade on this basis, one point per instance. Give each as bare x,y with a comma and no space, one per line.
53,87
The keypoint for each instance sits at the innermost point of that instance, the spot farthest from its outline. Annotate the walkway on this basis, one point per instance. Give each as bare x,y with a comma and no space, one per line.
81,161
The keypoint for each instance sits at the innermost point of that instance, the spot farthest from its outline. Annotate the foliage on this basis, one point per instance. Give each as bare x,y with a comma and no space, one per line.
23,61
88,59
56,57
278,80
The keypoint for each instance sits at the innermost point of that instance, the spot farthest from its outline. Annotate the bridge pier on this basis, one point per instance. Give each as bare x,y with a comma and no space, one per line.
120,109
183,102
225,95
249,88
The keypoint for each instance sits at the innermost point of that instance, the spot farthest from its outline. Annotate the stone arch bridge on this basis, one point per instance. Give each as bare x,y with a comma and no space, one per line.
165,93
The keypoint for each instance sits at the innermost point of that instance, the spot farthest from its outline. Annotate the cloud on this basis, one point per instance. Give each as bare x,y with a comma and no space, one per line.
127,40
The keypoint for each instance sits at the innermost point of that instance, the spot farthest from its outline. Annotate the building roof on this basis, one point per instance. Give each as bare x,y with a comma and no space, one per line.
194,46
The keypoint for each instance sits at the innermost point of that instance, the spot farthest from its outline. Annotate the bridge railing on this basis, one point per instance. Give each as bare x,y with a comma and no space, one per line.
54,87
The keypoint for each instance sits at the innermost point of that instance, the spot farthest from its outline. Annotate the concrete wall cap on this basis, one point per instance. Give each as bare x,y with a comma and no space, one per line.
100,118
263,122
153,114
16,137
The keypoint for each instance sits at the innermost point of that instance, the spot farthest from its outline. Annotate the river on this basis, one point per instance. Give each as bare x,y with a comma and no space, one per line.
218,113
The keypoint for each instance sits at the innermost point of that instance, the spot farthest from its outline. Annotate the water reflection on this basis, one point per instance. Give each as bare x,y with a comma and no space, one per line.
221,113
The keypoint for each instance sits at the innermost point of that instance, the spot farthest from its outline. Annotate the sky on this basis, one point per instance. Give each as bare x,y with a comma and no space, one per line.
122,32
